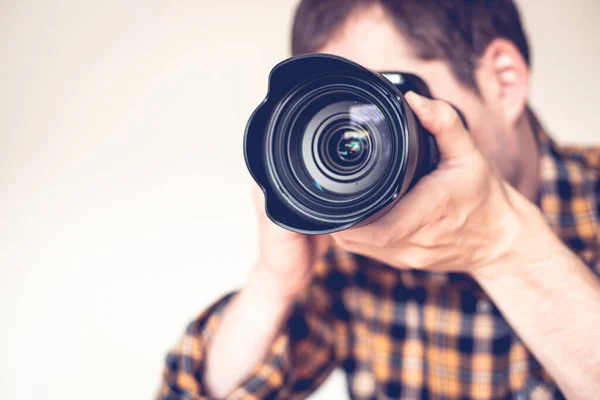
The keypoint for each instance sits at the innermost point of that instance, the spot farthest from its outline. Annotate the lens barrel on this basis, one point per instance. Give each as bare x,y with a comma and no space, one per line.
335,145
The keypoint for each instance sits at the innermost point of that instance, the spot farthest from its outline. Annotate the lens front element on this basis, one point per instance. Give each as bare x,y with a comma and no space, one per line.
343,146
345,149
351,147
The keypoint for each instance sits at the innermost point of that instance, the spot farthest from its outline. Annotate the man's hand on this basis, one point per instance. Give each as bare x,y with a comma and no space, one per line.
462,217
286,258
254,316
457,218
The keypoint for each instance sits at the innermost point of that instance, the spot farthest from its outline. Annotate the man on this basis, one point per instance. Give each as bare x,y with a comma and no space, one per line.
481,283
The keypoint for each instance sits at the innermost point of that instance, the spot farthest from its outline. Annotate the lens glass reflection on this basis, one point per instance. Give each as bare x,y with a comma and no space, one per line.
344,145
346,150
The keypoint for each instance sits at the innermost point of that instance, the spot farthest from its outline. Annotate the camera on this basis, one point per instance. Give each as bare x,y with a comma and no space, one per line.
335,145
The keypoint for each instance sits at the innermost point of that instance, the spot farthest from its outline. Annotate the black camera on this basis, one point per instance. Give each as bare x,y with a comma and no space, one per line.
335,145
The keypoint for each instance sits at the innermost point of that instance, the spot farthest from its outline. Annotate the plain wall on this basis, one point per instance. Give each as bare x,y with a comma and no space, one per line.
124,198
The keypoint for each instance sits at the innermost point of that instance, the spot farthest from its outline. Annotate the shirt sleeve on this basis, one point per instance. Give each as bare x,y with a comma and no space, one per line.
312,342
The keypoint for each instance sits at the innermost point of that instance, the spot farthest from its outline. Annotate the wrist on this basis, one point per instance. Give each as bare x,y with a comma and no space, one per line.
532,243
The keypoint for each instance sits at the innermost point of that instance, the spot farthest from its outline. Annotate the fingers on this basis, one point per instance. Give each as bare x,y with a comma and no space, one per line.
264,222
258,198
442,120
418,208
286,244
266,227
400,256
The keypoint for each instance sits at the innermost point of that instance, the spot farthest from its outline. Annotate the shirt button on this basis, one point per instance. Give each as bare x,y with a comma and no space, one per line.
483,306
521,396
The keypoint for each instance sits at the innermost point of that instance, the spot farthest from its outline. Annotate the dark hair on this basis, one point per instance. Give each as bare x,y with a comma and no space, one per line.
455,31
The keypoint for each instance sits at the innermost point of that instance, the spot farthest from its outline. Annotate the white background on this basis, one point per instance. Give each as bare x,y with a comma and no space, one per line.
124,206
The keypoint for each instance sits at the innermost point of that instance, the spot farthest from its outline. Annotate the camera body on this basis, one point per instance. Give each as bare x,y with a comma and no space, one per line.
335,145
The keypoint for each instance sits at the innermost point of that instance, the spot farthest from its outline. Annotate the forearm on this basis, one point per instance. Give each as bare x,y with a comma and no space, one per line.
248,327
552,300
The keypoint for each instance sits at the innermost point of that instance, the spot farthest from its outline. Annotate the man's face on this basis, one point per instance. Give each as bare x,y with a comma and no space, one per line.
370,39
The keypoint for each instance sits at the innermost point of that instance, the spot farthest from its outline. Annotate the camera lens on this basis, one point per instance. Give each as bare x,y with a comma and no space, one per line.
333,145
339,145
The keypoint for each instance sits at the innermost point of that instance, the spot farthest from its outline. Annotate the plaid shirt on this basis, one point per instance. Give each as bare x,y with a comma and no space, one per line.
406,334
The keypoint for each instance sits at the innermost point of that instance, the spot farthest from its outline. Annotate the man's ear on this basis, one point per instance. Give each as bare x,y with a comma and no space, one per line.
503,78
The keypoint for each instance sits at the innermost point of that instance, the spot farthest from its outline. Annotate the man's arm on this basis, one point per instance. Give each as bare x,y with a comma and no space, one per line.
463,217
251,323
221,356
277,331
552,300
247,330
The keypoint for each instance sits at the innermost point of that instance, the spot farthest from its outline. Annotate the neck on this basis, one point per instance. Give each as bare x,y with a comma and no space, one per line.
527,180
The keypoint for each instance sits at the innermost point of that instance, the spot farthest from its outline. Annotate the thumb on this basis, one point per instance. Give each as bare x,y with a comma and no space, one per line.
444,123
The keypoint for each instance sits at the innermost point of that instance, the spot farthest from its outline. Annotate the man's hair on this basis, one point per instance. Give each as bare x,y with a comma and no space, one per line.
454,31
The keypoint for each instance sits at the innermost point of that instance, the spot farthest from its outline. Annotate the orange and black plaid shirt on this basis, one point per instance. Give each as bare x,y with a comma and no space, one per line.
406,334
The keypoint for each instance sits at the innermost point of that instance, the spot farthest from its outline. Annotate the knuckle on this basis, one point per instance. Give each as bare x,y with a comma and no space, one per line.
449,116
445,115
342,242
381,238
